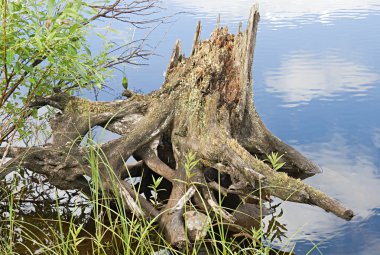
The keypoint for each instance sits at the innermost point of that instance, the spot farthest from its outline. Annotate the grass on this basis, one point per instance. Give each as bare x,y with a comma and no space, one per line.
110,229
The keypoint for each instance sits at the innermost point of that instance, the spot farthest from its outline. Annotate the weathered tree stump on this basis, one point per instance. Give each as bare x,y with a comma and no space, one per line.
205,106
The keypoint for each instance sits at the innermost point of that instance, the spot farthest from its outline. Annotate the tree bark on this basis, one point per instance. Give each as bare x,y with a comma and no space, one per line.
206,107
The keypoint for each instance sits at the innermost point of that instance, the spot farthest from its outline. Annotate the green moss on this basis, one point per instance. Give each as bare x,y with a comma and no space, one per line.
82,106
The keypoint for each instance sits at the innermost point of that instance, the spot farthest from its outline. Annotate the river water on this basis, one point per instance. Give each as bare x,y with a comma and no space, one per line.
317,86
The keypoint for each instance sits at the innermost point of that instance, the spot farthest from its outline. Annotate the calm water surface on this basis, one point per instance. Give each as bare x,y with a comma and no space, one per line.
317,87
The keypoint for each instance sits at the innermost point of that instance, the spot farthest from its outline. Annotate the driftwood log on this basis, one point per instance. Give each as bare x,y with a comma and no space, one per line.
206,107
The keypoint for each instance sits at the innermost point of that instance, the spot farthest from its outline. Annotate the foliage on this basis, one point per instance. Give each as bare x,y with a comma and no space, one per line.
274,160
190,163
155,189
44,48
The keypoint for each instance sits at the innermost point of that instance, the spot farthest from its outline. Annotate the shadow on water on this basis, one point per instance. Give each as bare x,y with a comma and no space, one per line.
44,216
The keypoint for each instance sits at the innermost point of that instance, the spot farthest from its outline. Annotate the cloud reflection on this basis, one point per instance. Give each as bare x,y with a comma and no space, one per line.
376,138
283,12
348,176
303,76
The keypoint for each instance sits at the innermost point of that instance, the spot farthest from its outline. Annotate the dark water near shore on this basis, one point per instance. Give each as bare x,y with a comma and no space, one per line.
317,86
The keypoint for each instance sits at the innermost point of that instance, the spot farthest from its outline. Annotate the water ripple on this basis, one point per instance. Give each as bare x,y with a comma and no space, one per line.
281,13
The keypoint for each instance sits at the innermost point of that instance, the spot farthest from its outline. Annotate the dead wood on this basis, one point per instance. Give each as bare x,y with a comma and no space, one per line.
205,106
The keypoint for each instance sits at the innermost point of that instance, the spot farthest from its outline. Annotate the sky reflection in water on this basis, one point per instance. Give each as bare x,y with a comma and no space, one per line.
304,76
282,13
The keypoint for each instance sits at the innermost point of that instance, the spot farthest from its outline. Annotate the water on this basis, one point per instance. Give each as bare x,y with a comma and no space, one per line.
317,87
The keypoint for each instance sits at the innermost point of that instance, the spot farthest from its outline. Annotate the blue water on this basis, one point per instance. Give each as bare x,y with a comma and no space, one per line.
317,86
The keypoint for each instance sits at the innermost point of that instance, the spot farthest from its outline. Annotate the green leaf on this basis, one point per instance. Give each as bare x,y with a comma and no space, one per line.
101,36
28,68
50,6
81,70
87,50
17,68
278,165
73,29
72,13
72,50
51,59
124,82
39,43
10,56
34,113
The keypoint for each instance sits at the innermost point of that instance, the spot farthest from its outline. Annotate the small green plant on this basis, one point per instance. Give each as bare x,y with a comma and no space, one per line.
154,186
274,159
190,163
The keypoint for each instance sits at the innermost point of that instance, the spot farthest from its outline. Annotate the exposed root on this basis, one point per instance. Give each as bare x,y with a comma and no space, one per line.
183,200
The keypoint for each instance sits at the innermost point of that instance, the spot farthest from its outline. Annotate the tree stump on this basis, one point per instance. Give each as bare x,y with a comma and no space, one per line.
205,107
